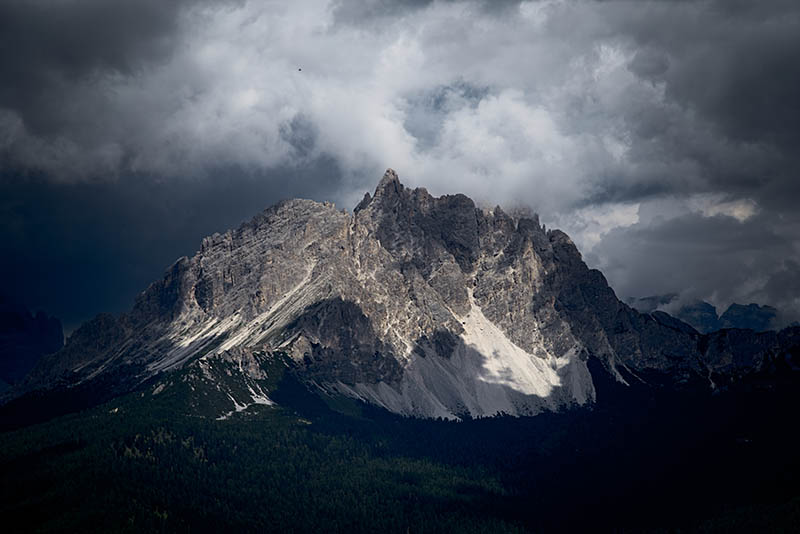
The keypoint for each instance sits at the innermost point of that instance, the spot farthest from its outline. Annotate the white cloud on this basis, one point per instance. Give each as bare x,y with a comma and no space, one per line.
541,106
590,224
711,205
233,84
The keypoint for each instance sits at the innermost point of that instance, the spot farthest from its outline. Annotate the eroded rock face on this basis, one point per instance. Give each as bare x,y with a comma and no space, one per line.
427,306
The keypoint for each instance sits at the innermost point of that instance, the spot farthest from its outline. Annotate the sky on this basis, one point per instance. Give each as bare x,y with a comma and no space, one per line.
663,137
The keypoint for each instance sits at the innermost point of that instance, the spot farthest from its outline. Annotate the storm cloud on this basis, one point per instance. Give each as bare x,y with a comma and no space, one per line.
662,136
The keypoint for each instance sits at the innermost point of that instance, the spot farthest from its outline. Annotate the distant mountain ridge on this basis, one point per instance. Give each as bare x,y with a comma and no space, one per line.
24,338
425,306
703,316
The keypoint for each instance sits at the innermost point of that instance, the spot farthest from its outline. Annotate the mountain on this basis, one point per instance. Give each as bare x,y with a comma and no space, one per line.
753,316
428,307
698,314
24,338
246,390
703,316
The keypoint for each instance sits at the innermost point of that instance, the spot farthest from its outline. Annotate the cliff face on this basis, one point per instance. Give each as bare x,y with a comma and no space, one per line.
426,306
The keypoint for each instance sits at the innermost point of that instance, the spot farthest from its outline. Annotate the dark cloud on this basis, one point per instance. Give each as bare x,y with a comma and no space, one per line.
782,289
47,46
357,12
662,135
718,258
728,125
742,71
649,64
733,65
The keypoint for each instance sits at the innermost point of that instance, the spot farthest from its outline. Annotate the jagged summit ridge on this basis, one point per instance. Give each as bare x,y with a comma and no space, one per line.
427,306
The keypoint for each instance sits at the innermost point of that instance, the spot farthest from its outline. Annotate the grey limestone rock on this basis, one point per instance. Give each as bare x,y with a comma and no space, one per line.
427,306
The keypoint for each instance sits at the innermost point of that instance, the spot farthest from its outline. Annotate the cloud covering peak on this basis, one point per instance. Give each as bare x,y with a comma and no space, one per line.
661,135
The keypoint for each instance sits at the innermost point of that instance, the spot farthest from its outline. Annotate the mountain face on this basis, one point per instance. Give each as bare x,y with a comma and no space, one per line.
428,307
24,338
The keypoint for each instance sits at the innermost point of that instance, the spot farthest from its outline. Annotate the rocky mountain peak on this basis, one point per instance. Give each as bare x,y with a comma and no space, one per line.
389,180
427,306
387,193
